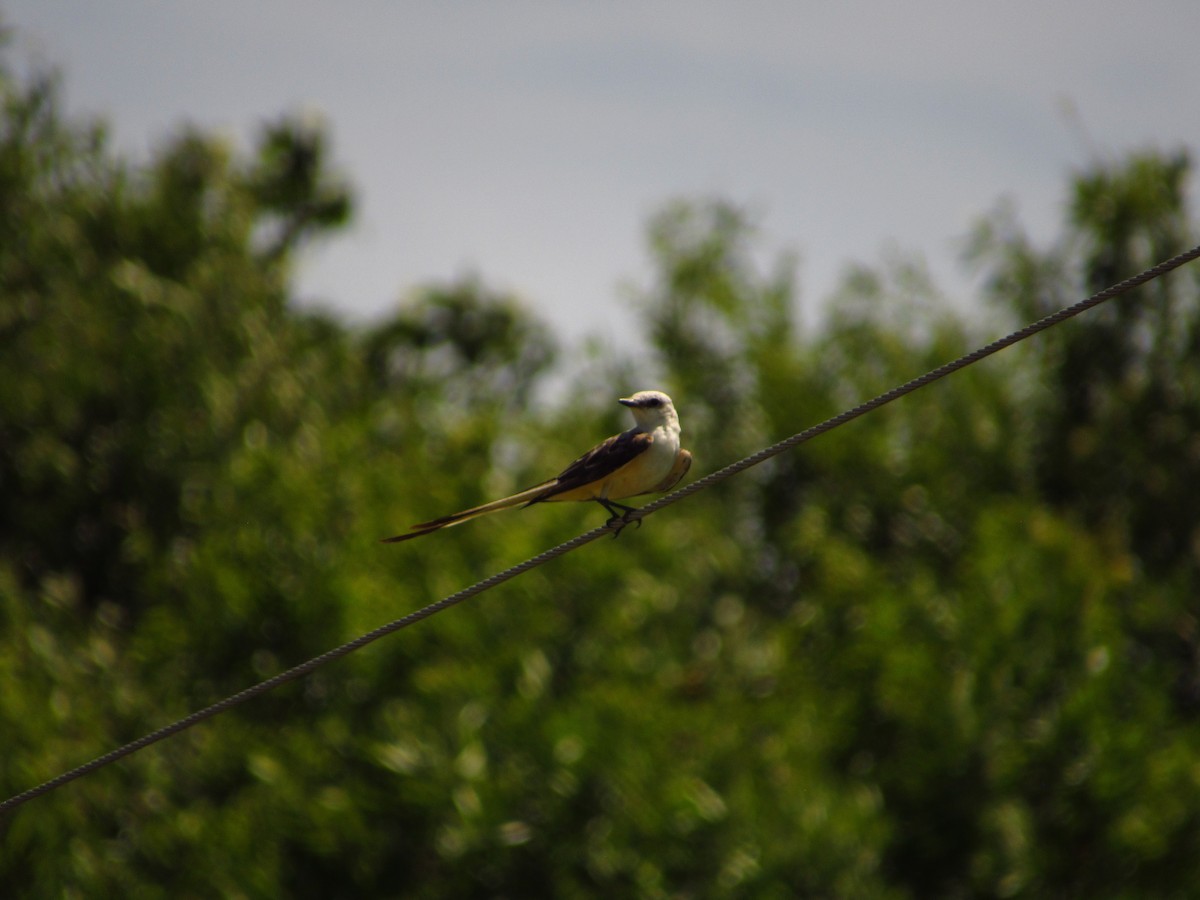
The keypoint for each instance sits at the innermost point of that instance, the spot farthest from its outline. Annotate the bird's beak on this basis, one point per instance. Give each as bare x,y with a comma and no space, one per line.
628,401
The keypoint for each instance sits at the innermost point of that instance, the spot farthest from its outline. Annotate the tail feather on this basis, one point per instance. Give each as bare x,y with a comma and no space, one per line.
530,495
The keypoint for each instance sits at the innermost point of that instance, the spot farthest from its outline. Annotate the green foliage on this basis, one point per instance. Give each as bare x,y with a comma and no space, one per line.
949,649
1127,369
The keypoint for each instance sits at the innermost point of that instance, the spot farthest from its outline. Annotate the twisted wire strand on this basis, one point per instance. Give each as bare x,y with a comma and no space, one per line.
917,383
613,527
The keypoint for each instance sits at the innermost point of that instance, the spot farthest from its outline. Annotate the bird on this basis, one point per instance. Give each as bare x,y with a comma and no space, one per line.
643,460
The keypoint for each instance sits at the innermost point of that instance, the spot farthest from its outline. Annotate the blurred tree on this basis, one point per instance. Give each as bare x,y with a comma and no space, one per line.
1118,404
1130,368
465,343
111,281
292,184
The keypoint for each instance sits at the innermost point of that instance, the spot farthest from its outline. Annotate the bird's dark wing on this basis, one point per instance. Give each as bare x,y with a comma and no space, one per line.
599,462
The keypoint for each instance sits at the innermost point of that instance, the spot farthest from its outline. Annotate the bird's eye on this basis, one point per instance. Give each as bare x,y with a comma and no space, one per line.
653,401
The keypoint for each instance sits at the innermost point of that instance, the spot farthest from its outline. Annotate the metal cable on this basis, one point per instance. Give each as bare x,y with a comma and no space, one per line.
573,544
915,384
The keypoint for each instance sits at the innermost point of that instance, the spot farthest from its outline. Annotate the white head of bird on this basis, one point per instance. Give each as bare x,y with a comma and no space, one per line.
652,410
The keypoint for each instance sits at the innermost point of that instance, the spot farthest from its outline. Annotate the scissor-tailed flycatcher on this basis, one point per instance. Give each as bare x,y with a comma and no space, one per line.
642,460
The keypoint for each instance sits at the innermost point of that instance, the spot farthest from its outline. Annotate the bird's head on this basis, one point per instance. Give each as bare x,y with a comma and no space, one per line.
651,409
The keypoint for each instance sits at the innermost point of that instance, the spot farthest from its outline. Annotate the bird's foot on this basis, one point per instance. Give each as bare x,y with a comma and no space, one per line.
618,520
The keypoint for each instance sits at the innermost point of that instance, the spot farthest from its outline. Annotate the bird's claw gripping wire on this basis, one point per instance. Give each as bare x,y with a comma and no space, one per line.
618,519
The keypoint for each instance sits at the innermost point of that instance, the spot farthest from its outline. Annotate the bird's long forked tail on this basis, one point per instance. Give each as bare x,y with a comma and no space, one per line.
530,495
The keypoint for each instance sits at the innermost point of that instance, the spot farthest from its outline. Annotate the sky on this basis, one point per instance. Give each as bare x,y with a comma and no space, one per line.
529,143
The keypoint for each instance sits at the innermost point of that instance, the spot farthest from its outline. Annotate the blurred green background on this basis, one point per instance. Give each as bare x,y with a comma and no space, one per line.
949,650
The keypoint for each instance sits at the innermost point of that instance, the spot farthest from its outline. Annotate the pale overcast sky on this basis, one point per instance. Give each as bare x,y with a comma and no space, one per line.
530,141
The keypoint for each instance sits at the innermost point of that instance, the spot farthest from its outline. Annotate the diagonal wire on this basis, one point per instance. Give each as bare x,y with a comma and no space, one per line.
577,542
917,383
